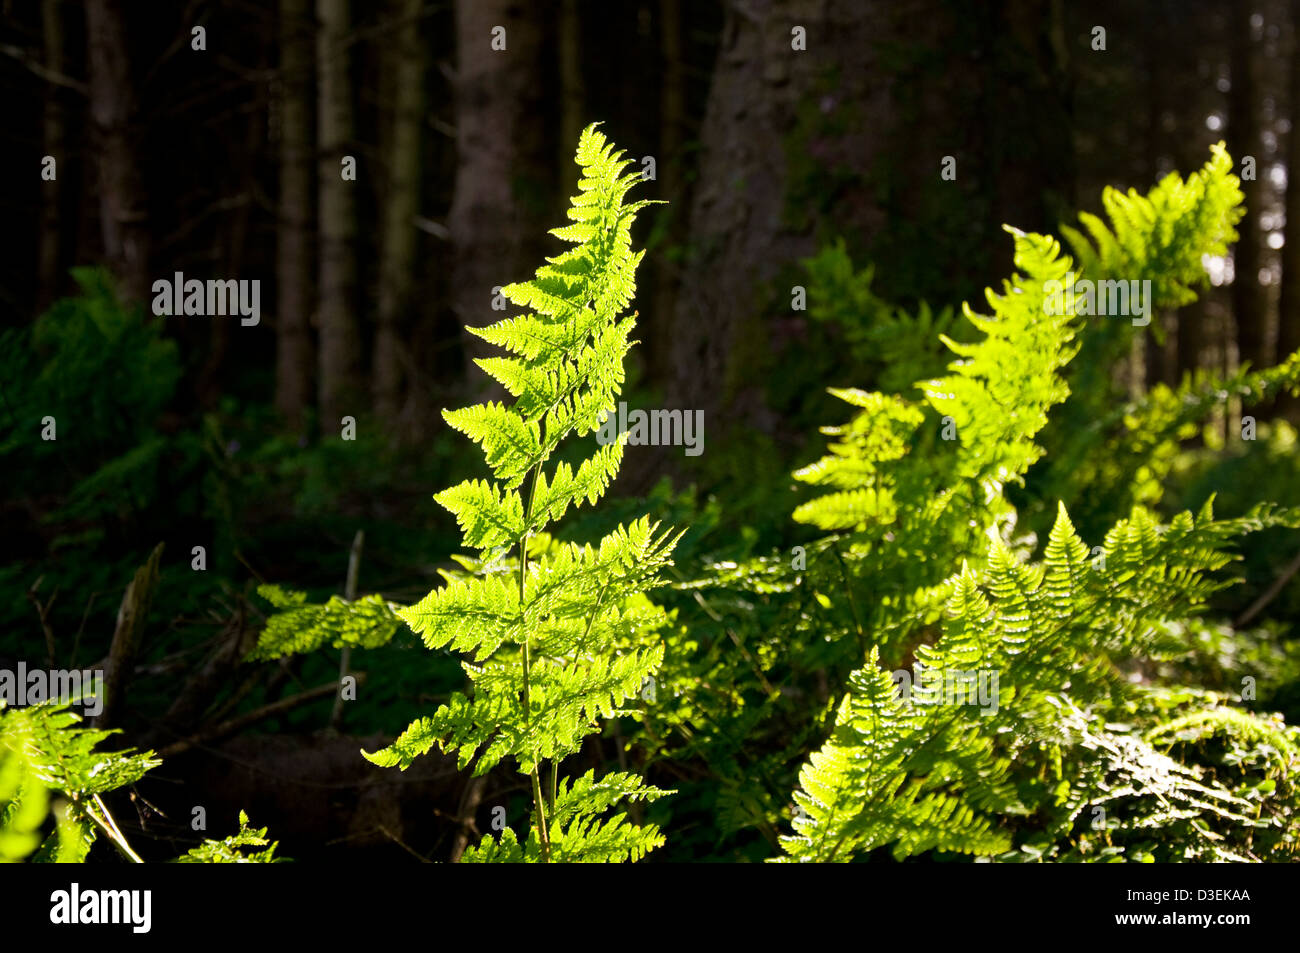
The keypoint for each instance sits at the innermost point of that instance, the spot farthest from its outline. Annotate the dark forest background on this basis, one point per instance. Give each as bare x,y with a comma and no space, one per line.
224,162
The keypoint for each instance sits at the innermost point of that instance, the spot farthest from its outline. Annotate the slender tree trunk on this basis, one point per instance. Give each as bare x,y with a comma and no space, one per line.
1192,319
1160,358
1248,308
123,204
49,267
295,355
1288,309
401,206
339,389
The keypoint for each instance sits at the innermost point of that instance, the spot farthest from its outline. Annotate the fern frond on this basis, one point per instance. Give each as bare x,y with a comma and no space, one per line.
239,848
299,626
558,635
1165,235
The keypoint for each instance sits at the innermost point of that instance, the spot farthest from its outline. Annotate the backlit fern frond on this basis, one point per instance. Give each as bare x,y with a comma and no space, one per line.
45,751
300,626
557,635
927,769
1164,235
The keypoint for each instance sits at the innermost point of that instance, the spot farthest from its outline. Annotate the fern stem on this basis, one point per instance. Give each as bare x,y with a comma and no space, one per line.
555,773
853,606
107,824
539,808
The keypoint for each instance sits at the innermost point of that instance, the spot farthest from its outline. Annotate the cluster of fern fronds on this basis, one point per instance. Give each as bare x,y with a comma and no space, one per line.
946,662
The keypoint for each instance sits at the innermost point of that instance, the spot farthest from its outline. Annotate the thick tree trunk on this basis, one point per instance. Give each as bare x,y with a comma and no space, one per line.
295,356
339,388
792,138
401,207
657,325
1248,309
737,221
497,119
123,205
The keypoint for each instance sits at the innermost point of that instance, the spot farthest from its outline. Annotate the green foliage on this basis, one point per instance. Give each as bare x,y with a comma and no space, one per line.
889,346
81,511
1127,455
50,764
299,627
557,635
1081,754
917,552
239,848
44,750
1162,236
905,485
102,371
1057,637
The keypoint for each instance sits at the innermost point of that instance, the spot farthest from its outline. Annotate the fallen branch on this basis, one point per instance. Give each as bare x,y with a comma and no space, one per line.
236,725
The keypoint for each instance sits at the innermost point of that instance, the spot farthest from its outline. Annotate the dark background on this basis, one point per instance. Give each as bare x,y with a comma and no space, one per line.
223,163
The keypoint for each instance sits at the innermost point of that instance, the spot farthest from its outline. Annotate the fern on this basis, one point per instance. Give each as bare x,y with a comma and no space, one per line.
49,764
556,635
300,626
44,749
1071,734
239,848
892,347
1123,456
921,776
904,482
1164,235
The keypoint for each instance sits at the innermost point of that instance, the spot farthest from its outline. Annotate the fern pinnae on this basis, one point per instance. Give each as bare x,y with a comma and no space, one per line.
569,636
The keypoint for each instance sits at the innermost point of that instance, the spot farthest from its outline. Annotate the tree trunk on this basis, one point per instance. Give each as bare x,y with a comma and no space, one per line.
1288,309
663,274
1243,133
294,354
1160,360
401,207
123,205
497,118
49,268
339,390
571,94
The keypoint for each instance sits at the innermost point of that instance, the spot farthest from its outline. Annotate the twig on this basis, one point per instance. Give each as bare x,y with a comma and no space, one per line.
110,828
469,802
1271,593
350,594
44,612
131,618
45,73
